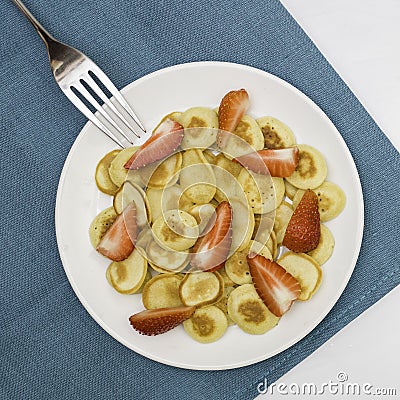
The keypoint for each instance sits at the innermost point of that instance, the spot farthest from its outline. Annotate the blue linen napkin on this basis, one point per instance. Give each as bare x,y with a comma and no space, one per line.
50,348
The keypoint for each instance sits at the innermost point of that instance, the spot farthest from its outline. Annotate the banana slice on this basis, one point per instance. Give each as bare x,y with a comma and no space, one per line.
249,312
259,190
305,269
127,276
236,266
175,230
197,178
206,325
118,173
162,174
331,200
250,132
100,225
129,192
162,291
282,217
223,303
201,288
311,170
196,120
102,176
290,190
242,223
276,134
166,260
324,250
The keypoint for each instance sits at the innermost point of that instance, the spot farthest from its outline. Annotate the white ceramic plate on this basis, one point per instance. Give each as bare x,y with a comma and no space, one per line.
78,201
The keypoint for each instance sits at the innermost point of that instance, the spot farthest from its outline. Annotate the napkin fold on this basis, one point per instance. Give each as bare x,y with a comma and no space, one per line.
50,348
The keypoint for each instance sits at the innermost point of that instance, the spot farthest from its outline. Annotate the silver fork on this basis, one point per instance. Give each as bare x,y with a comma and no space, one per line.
75,74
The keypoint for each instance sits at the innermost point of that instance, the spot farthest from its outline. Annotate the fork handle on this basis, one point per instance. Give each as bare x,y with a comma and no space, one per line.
43,33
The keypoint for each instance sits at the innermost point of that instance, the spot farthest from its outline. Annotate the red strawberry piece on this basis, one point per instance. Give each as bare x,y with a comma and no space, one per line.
165,140
118,242
231,110
276,287
280,162
160,320
304,229
211,250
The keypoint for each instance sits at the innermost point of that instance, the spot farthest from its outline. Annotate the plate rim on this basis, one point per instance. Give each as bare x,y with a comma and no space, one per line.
328,307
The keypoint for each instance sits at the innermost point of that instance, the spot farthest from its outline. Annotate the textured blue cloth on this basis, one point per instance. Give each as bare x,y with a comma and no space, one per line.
50,348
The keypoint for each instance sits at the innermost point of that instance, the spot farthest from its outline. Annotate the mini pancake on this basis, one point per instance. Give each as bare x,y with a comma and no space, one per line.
305,269
200,127
102,175
206,325
322,253
259,190
282,217
100,225
249,312
311,170
175,230
129,192
249,131
166,261
159,175
118,173
236,266
162,291
127,276
201,288
277,135
197,178
331,200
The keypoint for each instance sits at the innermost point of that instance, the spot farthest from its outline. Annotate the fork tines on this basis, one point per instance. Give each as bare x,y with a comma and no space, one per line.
115,121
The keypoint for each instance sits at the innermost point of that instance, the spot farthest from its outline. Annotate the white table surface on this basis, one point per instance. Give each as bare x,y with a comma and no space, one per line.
360,38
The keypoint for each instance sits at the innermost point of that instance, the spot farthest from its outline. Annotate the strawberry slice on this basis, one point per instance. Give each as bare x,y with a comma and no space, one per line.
211,250
304,228
280,162
231,110
277,288
165,140
160,320
118,242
